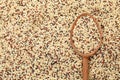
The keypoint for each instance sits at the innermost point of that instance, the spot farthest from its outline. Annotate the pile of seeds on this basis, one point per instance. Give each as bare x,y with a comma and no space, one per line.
35,45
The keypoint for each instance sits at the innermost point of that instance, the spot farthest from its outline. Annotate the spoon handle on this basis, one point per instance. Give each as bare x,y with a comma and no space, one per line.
85,68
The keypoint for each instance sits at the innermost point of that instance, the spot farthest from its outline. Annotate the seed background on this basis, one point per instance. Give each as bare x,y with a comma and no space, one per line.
34,39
